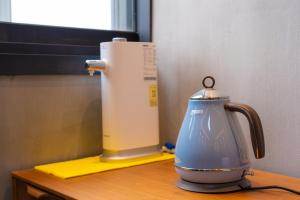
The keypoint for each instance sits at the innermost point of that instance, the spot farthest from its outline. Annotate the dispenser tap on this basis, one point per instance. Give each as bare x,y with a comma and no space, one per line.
95,66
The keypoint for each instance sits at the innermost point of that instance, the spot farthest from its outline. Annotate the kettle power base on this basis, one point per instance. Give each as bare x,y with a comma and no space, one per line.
211,188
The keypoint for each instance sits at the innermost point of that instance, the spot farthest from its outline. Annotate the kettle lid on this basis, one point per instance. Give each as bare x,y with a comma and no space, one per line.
208,93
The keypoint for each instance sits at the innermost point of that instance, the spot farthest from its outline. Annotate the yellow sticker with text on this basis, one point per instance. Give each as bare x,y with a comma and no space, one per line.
153,95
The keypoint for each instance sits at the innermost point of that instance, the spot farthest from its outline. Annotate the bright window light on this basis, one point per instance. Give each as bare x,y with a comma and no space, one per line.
94,14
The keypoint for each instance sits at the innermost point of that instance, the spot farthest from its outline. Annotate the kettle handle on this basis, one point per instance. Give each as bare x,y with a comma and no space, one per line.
256,130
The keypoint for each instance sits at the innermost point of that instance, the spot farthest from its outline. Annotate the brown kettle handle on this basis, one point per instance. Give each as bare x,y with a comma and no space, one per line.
256,130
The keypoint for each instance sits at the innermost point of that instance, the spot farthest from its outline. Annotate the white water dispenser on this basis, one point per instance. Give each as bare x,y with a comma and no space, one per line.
129,98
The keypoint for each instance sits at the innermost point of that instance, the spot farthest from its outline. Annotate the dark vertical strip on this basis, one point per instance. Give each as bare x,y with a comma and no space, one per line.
144,20
114,14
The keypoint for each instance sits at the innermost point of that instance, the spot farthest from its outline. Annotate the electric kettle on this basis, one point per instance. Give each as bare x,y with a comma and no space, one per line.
211,152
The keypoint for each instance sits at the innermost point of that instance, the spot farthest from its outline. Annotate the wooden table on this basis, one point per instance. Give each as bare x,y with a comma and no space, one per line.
150,181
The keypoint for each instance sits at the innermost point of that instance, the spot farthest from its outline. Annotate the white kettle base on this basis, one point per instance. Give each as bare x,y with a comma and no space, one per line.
213,188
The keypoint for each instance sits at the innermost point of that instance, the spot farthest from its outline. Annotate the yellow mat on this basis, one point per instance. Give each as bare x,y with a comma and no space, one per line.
73,168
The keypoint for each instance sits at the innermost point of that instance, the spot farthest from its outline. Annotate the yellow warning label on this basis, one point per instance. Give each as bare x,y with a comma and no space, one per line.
153,95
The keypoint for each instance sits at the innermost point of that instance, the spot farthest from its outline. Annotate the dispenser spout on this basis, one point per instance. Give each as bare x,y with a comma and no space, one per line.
95,66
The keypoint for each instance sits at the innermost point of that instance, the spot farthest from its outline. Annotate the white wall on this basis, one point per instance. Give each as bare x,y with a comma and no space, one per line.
252,48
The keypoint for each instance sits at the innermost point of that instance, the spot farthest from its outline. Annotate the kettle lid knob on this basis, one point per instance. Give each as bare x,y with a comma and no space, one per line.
212,82
208,93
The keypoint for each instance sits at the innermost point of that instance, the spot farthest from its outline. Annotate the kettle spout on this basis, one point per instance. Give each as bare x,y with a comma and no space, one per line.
93,66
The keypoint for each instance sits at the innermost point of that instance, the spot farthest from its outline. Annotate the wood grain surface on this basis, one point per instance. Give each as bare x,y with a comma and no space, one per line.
150,181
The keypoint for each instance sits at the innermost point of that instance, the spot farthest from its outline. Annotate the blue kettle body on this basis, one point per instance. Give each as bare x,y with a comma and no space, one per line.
211,147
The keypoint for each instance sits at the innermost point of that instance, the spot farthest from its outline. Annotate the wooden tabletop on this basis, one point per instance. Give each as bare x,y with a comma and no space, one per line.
150,181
